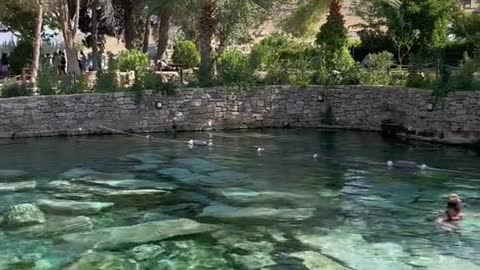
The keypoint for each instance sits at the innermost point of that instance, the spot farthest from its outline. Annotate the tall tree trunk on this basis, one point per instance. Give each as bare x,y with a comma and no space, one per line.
163,29
94,30
37,41
146,35
207,26
69,31
129,28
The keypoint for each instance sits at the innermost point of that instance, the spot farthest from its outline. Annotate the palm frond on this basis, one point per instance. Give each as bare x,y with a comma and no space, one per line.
306,18
156,6
392,3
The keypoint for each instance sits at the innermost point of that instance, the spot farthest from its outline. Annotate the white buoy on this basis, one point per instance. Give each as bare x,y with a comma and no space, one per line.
315,156
260,150
148,137
210,142
198,143
389,163
423,167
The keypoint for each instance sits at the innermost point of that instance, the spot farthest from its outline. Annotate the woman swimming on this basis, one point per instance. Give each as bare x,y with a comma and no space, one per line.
453,214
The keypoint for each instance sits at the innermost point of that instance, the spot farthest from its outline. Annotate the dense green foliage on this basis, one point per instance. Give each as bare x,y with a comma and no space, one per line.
48,82
108,81
18,16
335,60
233,67
333,34
378,69
186,53
133,60
467,28
430,36
14,89
468,76
152,81
268,51
305,19
21,56
73,84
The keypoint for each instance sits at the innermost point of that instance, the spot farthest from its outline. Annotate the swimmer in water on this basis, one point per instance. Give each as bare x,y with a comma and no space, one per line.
454,208
453,214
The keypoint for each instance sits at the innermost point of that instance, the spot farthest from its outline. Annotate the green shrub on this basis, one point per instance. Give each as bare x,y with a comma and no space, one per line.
378,69
267,52
112,64
152,81
13,89
73,85
372,41
48,82
336,67
233,67
417,77
107,82
82,84
67,87
133,60
464,78
277,72
21,56
299,73
421,80
186,53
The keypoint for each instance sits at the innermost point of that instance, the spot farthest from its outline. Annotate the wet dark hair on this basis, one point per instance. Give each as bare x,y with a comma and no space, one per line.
456,206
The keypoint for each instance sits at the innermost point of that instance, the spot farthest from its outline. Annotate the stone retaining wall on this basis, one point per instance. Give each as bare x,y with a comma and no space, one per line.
454,119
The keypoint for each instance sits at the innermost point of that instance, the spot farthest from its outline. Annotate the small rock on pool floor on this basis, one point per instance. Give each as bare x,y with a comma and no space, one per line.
229,212
73,207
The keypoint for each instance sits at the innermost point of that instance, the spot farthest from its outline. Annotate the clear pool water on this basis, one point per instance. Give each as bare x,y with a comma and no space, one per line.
279,209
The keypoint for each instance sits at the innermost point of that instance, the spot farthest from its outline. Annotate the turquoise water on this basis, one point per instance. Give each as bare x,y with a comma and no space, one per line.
280,209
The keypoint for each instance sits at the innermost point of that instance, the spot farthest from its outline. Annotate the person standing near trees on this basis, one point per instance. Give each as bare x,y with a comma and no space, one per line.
83,63
63,64
4,65
56,62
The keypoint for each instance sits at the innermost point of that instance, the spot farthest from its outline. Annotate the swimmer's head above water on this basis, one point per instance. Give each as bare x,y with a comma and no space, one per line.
454,210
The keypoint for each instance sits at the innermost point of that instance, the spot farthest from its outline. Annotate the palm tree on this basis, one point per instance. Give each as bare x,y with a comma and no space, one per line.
165,16
207,23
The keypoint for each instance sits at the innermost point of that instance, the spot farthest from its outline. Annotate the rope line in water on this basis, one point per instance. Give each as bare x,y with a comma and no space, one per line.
159,140
261,150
